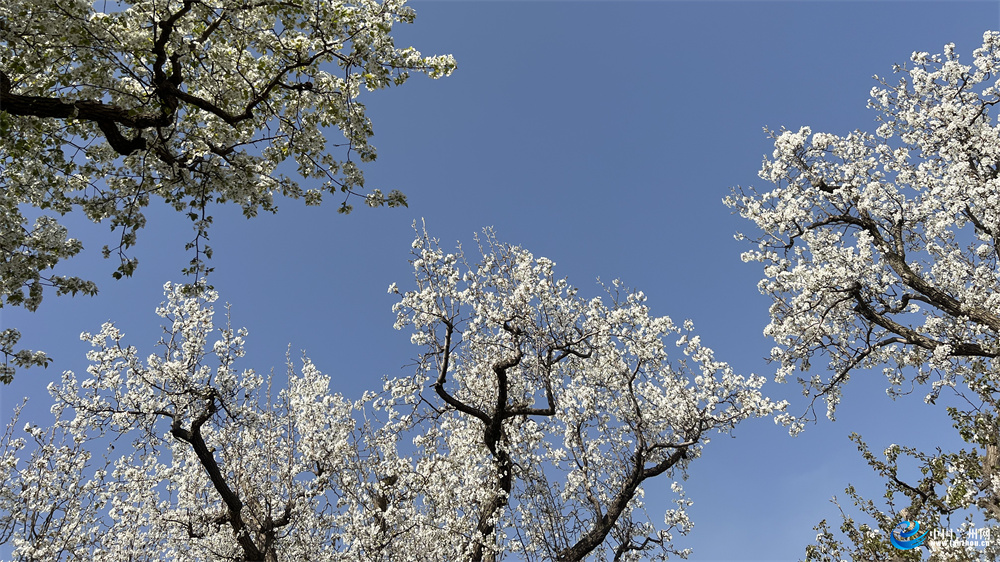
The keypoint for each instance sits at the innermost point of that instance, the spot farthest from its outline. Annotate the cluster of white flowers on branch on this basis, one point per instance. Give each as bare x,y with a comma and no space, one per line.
572,403
881,251
103,106
530,427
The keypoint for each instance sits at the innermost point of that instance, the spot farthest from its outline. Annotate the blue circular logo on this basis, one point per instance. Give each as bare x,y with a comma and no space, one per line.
905,536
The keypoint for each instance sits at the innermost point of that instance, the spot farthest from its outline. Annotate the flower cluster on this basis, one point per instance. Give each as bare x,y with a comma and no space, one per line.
532,423
558,408
111,105
881,251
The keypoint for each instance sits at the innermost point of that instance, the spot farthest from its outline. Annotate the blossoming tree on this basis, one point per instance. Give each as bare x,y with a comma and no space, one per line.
530,427
880,251
105,106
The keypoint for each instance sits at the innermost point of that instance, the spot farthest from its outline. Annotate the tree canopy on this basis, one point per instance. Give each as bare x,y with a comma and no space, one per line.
536,423
105,107
881,251
531,424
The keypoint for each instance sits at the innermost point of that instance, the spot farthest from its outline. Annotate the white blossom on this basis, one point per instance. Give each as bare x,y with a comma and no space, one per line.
881,251
530,427
112,105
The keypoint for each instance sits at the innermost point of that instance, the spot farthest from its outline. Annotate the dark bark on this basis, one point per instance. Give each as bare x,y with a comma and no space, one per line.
106,117
603,525
205,456
168,77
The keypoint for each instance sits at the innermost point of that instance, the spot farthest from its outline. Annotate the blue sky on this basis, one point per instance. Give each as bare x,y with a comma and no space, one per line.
602,135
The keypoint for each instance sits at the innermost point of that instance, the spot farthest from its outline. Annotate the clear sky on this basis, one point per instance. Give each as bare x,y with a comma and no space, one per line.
602,135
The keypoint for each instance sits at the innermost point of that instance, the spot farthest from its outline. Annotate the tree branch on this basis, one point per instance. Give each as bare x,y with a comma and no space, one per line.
443,377
593,538
207,459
